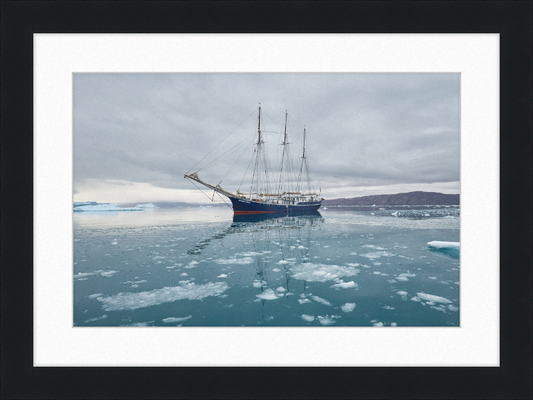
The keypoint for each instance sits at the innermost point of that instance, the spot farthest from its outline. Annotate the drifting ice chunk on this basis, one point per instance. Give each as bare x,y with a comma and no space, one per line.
267,295
345,285
348,307
378,254
326,320
171,320
321,300
431,297
322,272
133,301
97,318
444,245
308,318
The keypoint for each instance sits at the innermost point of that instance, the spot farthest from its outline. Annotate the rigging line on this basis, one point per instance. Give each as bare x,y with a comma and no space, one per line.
245,172
234,164
223,154
201,190
223,199
253,112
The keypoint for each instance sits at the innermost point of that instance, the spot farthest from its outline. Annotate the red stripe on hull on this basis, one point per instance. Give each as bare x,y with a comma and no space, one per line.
256,212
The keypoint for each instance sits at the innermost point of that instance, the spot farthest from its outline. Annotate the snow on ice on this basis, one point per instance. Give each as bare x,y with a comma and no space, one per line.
133,301
322,272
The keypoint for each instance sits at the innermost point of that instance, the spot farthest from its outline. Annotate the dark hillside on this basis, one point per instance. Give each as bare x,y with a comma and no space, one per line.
411,198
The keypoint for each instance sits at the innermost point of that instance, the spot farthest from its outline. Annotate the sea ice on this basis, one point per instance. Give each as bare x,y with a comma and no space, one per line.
94,296
431,297
345,285
133,301
402,293
267,295
238,261
308,318
276,270
348,307
97,318
100,272
171,320
326,320
222,276
321,300
322,272
377,254
444,245
281,289
192,264
303,301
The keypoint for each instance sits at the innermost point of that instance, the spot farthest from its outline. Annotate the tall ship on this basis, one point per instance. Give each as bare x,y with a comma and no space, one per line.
285,190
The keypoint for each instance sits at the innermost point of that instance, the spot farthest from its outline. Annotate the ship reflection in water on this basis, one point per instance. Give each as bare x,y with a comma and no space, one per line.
340,269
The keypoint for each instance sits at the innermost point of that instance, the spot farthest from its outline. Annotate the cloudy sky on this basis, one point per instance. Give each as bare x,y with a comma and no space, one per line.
135,135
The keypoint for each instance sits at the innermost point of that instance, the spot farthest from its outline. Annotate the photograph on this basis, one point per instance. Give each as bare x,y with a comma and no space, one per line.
315,200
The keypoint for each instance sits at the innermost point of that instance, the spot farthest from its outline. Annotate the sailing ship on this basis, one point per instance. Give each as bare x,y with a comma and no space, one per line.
286,193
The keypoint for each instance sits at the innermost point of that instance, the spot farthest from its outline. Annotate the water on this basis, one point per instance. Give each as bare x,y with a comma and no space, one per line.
200,267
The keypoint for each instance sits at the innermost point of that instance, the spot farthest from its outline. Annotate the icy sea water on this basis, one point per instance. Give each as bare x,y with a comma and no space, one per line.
203,267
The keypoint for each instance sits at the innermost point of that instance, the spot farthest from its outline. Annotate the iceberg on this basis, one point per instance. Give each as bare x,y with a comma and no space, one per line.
444,245
451,249
104,207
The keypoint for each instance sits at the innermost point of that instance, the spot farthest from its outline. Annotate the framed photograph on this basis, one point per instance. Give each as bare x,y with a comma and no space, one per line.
134,266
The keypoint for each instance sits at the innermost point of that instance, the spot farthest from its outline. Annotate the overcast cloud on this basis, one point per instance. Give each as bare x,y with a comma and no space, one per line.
135,135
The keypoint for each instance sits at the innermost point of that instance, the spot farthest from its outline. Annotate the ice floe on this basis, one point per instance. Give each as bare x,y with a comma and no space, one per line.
322,272
345,285
235,261
431,297
327,320
94,296
192,264
377,254
222,276
321,300
444,245
133,301
348,307
171,320
308,318
267,295
106,274
97,318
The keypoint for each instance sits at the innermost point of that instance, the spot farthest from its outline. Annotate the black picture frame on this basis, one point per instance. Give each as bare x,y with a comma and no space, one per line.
21,19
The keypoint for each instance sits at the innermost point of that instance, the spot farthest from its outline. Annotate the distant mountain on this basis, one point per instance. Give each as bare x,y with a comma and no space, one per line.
411,198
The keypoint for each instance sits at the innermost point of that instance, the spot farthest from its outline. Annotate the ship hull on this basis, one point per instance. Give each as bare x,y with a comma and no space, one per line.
243,206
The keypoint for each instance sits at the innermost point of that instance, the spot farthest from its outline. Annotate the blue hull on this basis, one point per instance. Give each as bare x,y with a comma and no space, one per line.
243,206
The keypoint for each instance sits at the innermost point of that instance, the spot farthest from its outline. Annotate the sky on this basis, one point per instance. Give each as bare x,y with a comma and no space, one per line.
136,135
